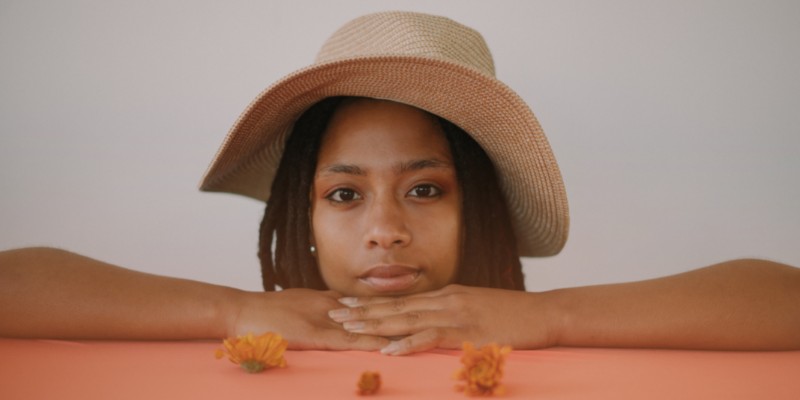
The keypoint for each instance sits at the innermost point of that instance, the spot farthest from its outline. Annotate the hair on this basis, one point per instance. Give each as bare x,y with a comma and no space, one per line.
488,247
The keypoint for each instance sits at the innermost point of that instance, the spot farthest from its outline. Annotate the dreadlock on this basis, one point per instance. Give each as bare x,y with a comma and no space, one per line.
488,258
287,218
489,255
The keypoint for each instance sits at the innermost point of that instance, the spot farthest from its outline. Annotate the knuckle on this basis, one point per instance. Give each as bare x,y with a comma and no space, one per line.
398,304
362,311
351,337
436,334
462,316
455,301
428,339
413,317
408,343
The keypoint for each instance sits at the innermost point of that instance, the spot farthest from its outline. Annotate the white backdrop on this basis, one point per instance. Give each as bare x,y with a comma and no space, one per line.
675,124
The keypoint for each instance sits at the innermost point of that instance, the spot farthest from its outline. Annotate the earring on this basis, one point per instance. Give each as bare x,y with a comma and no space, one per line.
313,250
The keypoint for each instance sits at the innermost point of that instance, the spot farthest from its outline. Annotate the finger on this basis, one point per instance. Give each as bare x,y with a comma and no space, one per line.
408,323
360,301
337,339
422,341
391,307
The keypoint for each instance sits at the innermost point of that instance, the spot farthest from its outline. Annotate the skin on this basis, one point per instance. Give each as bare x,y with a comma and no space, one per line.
361,153
52,293
386,204
734,305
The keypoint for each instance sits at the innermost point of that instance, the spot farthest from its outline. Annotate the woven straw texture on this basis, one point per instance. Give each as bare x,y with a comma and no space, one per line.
432,63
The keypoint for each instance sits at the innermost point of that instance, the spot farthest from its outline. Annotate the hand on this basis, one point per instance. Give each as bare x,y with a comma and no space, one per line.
300,316
449,316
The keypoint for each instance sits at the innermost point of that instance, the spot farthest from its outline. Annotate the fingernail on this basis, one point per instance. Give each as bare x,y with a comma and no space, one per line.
353,326
349,301
391,348
339,314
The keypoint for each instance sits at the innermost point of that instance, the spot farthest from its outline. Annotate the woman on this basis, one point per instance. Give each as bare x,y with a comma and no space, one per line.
480,239
394,230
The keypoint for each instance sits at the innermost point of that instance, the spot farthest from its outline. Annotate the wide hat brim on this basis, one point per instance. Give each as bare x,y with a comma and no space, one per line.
493,114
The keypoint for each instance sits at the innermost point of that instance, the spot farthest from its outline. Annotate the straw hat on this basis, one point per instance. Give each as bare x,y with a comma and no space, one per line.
432,63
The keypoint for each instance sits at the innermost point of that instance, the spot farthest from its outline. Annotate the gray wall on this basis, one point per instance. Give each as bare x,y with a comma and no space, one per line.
675,124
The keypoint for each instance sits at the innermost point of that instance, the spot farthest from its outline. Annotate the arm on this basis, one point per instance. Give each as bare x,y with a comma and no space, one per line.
56,294
738,305
49,293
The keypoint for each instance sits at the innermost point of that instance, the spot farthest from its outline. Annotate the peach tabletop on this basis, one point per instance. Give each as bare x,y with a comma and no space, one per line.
39,369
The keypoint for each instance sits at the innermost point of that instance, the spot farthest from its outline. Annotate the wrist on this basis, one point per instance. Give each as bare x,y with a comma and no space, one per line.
555,316
228,312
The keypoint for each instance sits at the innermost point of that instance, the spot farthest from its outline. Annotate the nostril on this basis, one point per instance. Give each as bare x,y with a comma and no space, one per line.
388,229
387,241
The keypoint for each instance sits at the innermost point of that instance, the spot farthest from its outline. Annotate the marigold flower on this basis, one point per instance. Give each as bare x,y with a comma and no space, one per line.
369,383
482,370
255,353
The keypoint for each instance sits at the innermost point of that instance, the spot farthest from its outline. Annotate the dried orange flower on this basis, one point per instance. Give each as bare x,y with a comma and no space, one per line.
369,383
255,353
482,370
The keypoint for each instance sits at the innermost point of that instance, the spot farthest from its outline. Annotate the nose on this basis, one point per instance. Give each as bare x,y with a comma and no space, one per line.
386,224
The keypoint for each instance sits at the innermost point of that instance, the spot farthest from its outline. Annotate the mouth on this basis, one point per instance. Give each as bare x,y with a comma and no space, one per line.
390,278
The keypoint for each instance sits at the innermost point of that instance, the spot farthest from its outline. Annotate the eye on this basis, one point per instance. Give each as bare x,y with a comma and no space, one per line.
343,196
425,191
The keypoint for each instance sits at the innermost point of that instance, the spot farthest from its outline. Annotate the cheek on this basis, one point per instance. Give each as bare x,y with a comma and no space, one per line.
443,240
452,253
333,246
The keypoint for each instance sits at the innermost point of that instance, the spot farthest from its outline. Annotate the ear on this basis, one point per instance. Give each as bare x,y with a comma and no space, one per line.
312,245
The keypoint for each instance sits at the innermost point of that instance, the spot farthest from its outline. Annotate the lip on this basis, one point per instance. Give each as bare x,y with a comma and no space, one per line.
390,278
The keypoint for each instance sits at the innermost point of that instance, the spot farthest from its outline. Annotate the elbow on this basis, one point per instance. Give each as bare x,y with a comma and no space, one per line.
21,257
757,264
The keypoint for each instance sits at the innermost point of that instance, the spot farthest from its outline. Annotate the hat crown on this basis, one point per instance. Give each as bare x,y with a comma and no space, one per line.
408,34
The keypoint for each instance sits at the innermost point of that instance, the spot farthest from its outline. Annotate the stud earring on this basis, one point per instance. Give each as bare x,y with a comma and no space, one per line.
313,250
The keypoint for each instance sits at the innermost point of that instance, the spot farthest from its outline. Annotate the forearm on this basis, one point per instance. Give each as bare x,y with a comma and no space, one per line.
741,305
55,294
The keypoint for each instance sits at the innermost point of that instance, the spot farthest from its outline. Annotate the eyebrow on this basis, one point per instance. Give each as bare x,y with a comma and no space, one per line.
403,167
416,165
348,169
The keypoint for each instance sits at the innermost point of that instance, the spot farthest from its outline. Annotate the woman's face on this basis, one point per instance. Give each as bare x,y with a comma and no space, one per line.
385,203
